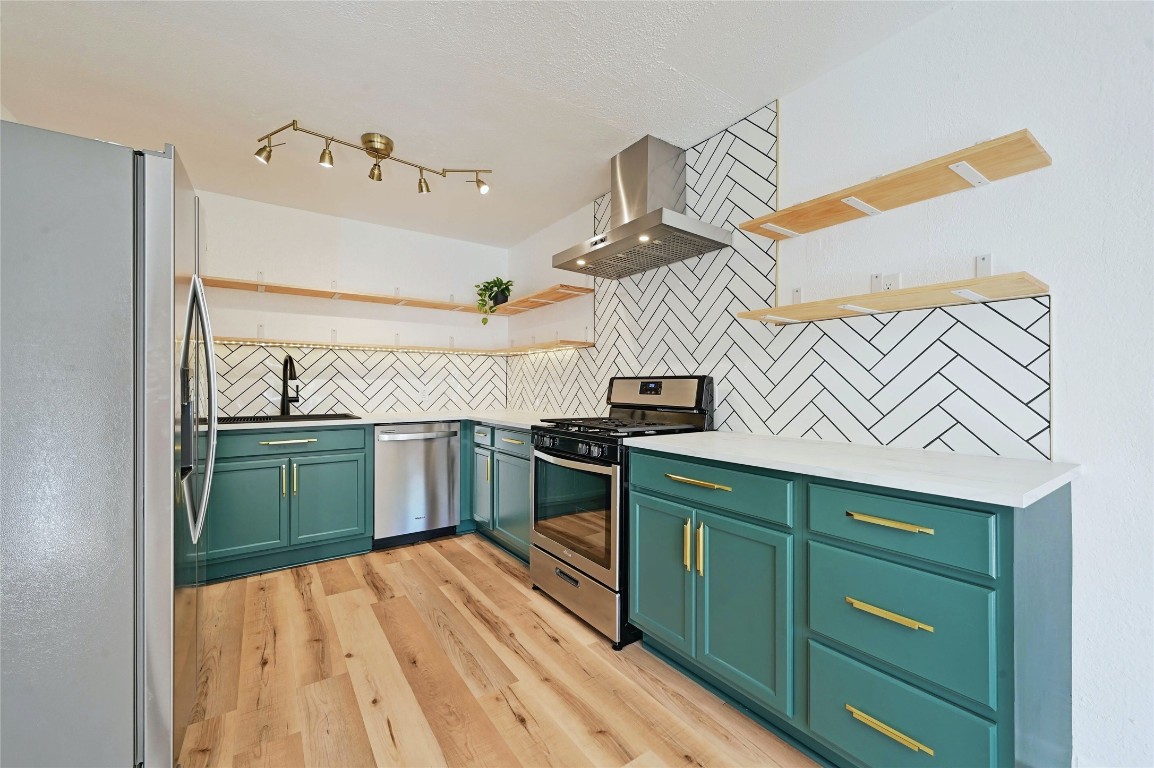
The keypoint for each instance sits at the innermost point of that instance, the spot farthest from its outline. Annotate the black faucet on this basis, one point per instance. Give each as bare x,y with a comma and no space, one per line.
288,373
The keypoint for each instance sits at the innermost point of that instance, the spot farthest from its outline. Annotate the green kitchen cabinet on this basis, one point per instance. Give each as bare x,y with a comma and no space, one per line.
249,508
513,504
717,589
661,583
746,583
328,500
283,497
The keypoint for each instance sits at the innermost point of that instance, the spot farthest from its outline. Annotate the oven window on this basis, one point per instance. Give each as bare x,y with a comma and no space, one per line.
573,508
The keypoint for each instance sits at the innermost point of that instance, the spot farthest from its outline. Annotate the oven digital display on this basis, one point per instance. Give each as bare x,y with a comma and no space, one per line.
650,388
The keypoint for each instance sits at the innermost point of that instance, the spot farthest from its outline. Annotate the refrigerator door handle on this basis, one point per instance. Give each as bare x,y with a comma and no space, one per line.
198,306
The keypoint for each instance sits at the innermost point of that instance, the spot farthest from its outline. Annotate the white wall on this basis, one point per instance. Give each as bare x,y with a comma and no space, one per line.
1079,77
250,240
5,114
531,269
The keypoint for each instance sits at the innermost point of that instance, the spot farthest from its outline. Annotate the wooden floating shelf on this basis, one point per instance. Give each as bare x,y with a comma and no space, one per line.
974,167
525,349
1018,285
552,295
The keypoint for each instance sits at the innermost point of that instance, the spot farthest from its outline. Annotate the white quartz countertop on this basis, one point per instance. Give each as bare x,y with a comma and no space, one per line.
990,479
513,419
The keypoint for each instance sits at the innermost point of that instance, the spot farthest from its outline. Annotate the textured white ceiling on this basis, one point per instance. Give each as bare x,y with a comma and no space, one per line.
542,93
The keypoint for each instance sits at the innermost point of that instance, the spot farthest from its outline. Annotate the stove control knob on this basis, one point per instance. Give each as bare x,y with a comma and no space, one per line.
595,450
583,449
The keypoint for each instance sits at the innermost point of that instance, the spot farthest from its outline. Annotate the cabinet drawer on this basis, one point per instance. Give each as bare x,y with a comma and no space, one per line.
935,627
287,442
881,721
760,496
512,441
482,435
946,535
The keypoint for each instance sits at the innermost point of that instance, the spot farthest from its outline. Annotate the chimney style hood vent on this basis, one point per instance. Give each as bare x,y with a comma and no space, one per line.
648,227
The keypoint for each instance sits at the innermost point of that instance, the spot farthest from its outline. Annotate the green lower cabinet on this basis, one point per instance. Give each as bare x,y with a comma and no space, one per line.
483,488
661,579
745,607
328,500
248,508
881,721
512,503
717,589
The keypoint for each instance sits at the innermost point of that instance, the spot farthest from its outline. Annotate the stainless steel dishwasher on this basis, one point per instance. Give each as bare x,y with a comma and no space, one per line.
416,489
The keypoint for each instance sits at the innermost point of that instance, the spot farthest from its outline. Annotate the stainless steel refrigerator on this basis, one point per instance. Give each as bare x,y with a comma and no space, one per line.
107,435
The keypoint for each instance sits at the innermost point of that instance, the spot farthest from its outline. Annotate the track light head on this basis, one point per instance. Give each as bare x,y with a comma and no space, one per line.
375,171
264,154
422,184
482,187
326,160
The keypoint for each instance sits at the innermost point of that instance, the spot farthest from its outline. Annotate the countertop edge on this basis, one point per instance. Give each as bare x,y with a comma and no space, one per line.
898,481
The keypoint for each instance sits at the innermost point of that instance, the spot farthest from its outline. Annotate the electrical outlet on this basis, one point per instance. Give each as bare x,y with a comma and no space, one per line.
796,295
880,282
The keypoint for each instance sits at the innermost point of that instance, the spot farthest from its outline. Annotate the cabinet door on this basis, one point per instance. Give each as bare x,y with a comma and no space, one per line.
660,570
248,508
513,506
483,487
328,497
745,608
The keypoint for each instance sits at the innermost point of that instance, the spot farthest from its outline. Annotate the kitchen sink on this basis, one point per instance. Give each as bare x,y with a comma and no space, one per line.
278,417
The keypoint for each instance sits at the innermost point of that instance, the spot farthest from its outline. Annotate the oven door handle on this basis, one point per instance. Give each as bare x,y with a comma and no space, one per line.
581,466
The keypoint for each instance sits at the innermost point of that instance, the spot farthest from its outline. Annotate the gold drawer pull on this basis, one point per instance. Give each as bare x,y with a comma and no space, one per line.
288,442
685,543
885,730
282,480
863,518
511,440
698,483
896,618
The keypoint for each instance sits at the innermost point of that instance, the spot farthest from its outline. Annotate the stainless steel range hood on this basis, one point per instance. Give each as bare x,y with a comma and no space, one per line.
648,227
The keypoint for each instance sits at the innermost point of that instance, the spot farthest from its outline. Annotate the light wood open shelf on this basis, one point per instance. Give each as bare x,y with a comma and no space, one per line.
551,295
525,349
993,160
1018,285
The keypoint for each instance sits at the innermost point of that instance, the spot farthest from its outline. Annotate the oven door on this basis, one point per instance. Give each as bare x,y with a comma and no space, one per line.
577,514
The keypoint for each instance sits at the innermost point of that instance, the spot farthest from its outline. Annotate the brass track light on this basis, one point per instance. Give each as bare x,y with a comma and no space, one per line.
377,146
264,154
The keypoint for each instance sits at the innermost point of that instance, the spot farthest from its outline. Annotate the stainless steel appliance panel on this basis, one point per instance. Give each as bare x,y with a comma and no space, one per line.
67,447
416,478
599,606
577,513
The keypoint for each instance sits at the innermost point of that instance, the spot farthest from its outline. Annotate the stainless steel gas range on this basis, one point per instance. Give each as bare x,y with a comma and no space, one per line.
580,507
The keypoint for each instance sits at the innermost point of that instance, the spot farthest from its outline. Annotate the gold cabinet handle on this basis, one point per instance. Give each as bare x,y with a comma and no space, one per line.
282,480
511,440
698,483
295,467
289,442
701,549
864,518
488,461
896,618
685,543
885,730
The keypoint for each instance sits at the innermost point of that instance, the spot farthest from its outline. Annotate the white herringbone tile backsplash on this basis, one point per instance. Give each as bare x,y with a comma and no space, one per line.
973,378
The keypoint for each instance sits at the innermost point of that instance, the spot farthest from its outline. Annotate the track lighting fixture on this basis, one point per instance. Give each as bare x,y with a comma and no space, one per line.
264,154
375,145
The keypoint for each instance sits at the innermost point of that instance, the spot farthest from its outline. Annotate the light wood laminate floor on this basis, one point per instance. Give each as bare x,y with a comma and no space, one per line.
440,654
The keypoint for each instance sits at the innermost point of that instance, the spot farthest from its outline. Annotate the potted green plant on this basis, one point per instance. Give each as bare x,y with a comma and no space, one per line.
490,295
